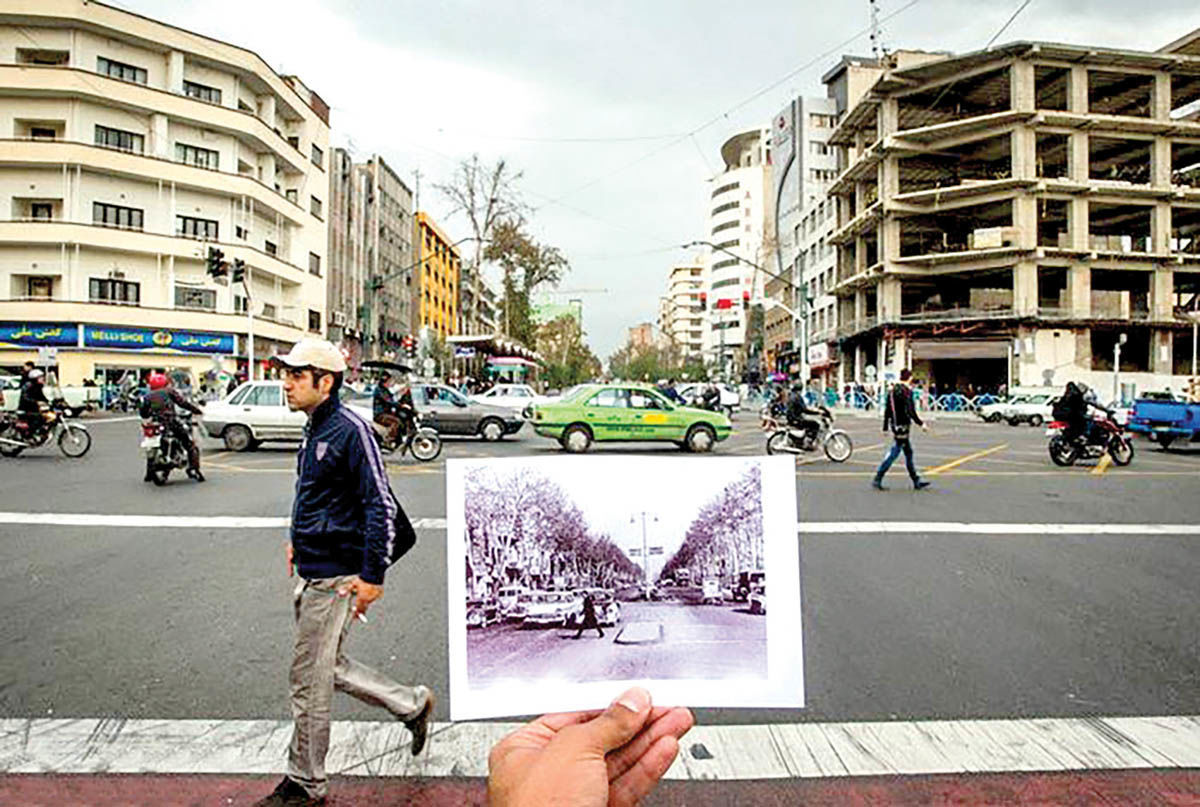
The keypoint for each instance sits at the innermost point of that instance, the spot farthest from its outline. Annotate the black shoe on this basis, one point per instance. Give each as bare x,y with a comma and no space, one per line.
199,477
419,726
877,484
289,794
921,484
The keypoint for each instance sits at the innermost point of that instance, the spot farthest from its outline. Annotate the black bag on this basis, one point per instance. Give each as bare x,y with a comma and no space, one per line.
406,536
900,432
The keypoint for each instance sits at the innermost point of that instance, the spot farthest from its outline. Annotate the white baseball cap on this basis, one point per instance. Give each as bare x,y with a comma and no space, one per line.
320,354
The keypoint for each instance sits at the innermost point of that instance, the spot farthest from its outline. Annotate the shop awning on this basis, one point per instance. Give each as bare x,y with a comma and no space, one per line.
510,361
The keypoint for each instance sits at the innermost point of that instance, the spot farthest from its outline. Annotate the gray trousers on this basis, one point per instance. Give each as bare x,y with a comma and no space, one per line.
319,665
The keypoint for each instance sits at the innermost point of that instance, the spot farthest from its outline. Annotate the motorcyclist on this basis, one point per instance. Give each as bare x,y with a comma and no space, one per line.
800,415
667,389
1074,406
33,403
383,406
159,406
710,398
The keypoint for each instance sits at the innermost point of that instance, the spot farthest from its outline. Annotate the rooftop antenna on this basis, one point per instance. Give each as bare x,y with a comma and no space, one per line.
877,49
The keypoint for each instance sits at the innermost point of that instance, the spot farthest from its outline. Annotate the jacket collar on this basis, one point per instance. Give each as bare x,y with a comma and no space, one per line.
322,412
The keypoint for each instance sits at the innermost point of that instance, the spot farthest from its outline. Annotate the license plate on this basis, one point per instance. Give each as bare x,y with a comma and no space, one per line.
1051,432
151,443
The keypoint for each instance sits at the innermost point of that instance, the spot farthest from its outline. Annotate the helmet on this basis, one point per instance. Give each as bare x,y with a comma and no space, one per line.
35,374
156,381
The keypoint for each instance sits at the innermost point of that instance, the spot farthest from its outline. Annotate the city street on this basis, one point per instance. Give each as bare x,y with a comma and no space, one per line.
916,605
687,640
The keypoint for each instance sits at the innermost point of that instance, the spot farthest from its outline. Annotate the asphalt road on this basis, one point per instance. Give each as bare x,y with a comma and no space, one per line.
195,623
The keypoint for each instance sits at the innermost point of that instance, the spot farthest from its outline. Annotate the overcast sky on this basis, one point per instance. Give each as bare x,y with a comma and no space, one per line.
614,110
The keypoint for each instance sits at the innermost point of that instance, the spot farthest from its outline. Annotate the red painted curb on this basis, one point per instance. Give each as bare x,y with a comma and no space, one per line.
1178,787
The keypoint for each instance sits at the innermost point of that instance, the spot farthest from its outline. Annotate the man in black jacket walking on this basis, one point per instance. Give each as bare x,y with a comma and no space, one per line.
899,413
342,536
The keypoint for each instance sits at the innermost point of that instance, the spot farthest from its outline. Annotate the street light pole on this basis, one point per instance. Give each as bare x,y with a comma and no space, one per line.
645,547
1117,368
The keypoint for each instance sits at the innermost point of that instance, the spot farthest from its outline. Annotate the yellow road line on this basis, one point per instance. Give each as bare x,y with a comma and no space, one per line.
1102,465
955,463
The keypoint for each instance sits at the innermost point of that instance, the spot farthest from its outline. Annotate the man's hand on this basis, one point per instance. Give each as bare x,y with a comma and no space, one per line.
588,759
291,567
364,594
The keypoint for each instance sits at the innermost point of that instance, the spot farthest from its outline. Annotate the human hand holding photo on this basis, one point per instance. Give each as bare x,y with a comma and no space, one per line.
588,759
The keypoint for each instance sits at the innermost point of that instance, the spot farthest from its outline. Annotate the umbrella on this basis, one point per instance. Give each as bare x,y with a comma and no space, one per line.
381,364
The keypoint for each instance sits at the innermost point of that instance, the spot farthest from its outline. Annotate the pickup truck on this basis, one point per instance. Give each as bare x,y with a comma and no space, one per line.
79,399
1166,421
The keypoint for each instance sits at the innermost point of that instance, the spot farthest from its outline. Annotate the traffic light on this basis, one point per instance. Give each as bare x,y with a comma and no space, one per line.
745,299
215,264
239,271
409,343
703,301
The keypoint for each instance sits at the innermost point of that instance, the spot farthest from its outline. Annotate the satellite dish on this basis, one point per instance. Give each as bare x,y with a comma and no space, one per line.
870,372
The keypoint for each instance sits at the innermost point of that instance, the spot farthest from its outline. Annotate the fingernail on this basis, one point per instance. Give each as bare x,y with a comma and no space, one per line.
635,700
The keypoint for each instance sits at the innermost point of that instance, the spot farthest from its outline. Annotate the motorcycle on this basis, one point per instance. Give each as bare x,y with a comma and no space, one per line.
163,449
1105,437
784,439
16,435
424,442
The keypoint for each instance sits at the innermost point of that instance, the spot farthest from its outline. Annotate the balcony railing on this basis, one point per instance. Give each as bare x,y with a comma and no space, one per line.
958,314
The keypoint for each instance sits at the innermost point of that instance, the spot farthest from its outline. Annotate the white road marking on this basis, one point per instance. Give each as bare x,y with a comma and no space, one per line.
775,751
439,523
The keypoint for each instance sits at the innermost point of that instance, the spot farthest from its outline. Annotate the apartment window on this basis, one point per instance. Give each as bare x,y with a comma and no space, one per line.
105,290
41,211
120,139
728,225
724,264
199,157
270,248
729,281
292,196
822,174
817,147
42,133
203,299
192,227
318,156
269,311
732,186
819,121
47,58
728,244
240,232
239,304
39,288
127,218
314,264
314,321
294,142
315,206
120,70
727,206
202,92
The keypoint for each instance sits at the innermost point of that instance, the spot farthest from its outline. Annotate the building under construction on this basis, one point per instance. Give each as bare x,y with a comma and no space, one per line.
1005,216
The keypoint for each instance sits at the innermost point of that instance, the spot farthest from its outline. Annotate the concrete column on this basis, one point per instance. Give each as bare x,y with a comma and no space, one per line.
160,138
860,362
1160,162
1162,348
1025,219
266,109
1024,153
175,72
889,117
1021,86
1079,290
266,166
860,255
1077,224
1079,157
889,240
860,308
1162,295
1160,227
888,299
1160,98
889,178
1025,288
1077,90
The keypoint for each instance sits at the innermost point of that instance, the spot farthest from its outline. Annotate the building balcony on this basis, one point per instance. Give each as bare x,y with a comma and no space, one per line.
49,232
70,82
143,167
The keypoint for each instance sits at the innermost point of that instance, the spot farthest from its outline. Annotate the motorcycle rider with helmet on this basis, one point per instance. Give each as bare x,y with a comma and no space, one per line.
1074,407
33,403
800,415
159,406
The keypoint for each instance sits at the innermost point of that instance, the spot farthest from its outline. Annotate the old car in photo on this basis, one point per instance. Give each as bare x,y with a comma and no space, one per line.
548,609
608,610
746,583
507,599
758,600
629,413
481,613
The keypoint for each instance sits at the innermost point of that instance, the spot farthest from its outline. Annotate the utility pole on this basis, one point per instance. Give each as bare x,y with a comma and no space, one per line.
1117,368
645,547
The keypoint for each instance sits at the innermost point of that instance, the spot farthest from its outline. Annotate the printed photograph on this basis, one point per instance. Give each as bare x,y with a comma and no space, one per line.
614,569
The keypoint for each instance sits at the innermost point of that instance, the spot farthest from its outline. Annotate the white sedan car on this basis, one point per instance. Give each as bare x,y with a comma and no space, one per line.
515,397
1034,410
256,411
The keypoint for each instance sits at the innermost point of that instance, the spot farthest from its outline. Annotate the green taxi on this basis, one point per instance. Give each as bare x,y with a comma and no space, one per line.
626,412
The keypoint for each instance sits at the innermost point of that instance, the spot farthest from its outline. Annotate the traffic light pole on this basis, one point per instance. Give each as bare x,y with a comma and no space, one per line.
249,327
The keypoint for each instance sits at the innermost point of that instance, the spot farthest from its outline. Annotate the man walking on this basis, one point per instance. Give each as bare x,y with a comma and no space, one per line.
342,536
589,622
899,414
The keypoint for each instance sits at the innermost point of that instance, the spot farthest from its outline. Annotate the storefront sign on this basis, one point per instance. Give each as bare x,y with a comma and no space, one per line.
157,340
818,354
464,352
38,334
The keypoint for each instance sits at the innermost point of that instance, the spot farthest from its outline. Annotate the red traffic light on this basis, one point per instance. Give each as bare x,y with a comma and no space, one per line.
703,300
745,299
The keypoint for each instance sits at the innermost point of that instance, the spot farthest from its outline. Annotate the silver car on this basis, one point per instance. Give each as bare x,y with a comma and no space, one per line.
450,412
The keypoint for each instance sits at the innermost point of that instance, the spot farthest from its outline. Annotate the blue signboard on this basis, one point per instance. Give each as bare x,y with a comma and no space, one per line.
38,334
112,336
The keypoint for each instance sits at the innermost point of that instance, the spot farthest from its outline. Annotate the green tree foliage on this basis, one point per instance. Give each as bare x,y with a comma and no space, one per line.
526,266
568,359
652,362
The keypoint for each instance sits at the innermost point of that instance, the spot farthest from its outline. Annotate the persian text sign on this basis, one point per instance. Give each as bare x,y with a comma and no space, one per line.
38,334
157,340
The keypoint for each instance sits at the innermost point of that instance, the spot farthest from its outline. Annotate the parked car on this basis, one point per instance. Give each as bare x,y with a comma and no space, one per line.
758,600
551,609
514,397
78,399
1034,410
711,591
620,412
994,412
747,581
254,413
481,613
731,398
507,598
1166,421
451,412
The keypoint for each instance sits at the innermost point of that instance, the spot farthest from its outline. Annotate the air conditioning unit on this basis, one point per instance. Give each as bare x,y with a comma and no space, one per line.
339,318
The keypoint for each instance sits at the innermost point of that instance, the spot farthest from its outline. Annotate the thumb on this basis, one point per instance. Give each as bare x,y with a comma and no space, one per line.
620,723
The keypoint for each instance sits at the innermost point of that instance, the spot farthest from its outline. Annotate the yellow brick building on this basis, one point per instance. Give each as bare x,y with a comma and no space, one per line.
437,275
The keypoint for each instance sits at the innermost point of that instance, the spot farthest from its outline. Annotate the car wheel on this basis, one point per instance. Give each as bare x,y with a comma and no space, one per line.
1036,421
237,438
701,438
993,418
491,429
577,438
1164,441
1013,421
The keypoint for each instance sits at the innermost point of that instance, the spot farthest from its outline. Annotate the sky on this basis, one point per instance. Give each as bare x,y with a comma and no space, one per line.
614,112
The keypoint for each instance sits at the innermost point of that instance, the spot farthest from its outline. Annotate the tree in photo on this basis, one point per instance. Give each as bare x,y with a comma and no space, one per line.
568,359
726,536
526,265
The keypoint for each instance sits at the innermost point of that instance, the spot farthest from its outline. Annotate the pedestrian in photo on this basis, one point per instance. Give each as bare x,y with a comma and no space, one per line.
589,618
899,414
343,536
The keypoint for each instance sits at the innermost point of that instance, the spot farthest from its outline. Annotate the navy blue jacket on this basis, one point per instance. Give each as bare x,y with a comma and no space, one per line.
343,519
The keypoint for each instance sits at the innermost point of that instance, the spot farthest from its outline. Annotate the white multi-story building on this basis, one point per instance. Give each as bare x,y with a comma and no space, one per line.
740,226
132,147
680,319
